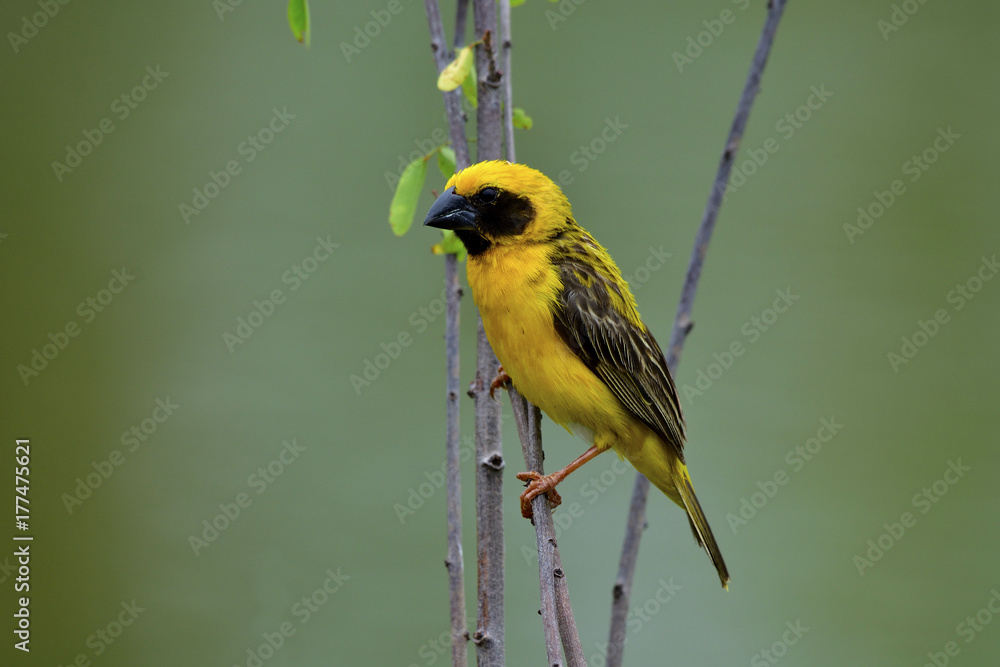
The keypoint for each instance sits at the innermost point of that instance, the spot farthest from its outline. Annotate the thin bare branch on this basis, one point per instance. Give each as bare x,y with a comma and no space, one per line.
528,420
453,99
488,116
558,622
461,13
683,323
572,648
508,91
455,561
626,569
489,635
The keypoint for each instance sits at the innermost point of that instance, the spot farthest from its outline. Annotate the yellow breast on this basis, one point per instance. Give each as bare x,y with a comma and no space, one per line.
516,290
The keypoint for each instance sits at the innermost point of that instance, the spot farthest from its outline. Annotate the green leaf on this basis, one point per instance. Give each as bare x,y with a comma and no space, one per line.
450,245
452,76
298,20
446,161
515,3
404,202
469,88
521,119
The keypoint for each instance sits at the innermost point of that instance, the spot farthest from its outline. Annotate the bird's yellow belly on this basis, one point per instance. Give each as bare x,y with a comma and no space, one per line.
516,304
549,375
517,315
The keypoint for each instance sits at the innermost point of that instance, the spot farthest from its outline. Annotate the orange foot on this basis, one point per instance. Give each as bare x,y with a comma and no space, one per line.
537,485
500,381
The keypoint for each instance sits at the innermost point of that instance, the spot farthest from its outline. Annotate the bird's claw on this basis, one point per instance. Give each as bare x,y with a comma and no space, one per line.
537,485
500,381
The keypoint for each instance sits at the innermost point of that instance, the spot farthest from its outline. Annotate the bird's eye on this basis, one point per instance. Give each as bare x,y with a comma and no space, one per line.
488,195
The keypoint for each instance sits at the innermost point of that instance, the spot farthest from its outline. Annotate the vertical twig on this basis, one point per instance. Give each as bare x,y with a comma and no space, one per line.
558,623
622,589
455,559
452,99
489,635
528,421
489,125
682,323
461,12
508,86
572,647
557,615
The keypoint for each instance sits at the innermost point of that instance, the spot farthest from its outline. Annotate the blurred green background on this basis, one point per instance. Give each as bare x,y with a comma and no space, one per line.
325,508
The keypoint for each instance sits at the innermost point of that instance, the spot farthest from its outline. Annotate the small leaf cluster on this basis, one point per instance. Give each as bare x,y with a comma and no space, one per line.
407,196
459,72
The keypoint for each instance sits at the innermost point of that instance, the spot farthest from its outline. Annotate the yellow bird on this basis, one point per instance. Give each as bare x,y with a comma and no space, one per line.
564,325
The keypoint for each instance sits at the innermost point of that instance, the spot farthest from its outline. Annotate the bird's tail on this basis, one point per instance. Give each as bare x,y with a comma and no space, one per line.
699,524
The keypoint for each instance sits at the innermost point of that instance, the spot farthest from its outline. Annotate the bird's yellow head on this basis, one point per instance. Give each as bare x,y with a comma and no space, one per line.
498,203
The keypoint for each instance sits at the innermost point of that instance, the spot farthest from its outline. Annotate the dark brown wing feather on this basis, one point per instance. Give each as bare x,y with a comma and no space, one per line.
625,356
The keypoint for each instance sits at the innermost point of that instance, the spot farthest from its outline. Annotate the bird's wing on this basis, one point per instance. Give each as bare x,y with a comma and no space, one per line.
623,354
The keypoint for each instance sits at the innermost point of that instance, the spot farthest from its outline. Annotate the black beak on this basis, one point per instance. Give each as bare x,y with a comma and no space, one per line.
451,211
